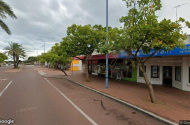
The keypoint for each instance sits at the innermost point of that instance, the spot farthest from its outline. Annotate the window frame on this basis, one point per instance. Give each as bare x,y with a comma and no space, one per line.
177,74
158,72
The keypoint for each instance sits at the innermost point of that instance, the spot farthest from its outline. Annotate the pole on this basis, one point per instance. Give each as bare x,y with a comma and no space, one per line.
176,14
44,46
177,7
107,84
72,68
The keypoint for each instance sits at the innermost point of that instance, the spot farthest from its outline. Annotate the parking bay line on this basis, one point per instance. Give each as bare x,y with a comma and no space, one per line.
5,88
85,115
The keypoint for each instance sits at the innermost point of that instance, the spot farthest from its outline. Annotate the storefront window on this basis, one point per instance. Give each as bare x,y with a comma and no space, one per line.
140,73
128,73
95,69
155,71
178,73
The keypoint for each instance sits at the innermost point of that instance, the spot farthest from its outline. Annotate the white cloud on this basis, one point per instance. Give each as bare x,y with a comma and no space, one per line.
42,21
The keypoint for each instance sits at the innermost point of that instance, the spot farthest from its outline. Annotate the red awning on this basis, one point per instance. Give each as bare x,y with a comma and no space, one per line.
102,56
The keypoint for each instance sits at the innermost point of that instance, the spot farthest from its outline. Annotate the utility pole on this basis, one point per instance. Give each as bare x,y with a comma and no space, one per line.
44,46
177,7
107,82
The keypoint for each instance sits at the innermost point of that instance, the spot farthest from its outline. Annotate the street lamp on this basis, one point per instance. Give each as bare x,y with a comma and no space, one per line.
177,7
107,84
44,46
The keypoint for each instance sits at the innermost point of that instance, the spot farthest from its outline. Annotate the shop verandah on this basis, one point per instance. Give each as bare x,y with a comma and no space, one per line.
170,68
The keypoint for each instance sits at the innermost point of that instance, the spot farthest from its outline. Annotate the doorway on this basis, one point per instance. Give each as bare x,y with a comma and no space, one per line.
167,75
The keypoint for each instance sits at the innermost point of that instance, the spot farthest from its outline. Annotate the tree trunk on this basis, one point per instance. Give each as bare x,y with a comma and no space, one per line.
86,69
151,91
17,62
14,61
48,65
62,70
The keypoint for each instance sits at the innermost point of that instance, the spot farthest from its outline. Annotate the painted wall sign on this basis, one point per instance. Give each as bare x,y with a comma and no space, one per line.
75,65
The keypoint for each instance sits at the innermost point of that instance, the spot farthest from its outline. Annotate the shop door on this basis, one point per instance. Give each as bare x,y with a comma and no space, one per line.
167,75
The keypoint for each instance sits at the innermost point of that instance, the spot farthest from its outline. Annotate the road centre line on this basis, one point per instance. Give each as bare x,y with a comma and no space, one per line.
85,115
5,88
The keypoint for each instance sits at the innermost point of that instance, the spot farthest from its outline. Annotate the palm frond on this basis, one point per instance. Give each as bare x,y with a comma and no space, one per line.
2,15
5,27
7,9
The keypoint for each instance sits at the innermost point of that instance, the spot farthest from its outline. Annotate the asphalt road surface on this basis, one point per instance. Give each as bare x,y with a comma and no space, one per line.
30,99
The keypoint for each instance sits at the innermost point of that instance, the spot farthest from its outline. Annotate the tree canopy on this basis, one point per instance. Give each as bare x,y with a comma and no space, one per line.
83,40
3,57
55,57
143,32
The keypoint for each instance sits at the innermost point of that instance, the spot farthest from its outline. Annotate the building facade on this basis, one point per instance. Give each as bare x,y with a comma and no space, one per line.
168,71
168,68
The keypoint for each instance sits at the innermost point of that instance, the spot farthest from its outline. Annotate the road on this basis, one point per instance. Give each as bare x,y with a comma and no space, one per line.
31,99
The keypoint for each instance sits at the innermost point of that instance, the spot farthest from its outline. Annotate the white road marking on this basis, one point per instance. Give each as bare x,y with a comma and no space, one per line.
5,88
27,109
85,115
3,79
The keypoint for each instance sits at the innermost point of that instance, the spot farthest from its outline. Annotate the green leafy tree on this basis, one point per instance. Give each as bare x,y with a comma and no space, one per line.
61,57
32,59
5,10
83,40
16,51
56,57
3,57
143,32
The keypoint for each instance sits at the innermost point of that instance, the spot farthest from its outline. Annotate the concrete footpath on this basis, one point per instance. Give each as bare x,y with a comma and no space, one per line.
172,104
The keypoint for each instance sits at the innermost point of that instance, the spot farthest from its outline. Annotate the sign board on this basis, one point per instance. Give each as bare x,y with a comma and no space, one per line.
174,52
75,65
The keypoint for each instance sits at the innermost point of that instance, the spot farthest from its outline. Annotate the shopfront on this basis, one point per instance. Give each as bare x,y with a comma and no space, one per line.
167,68
170,68
120,69
76,64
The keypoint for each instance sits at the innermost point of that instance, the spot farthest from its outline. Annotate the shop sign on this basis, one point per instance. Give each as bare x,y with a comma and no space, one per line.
176,51
75,65
93,62
102,56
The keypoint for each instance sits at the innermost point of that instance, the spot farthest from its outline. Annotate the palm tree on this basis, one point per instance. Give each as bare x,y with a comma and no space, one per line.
16,51
5,10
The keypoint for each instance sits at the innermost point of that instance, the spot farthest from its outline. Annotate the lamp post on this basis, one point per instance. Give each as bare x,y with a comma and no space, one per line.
44,46
107,84
177,7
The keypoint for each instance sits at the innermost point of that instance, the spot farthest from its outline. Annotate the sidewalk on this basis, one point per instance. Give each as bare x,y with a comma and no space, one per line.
172,104
53,72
